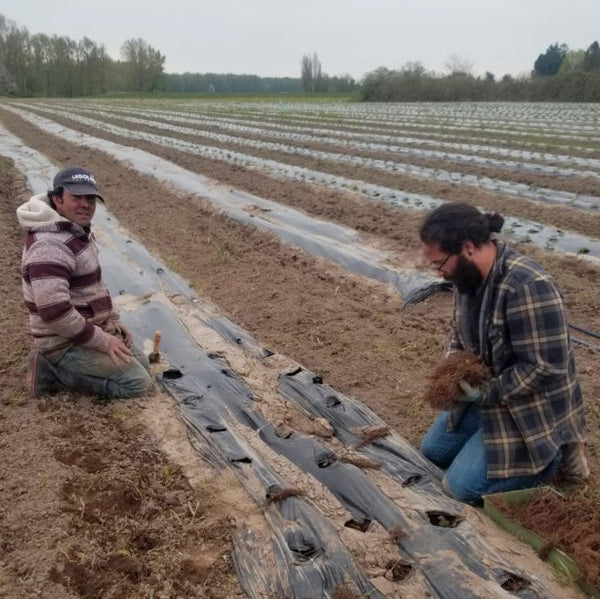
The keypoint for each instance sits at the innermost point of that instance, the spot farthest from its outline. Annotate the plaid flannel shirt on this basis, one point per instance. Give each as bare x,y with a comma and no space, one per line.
533,403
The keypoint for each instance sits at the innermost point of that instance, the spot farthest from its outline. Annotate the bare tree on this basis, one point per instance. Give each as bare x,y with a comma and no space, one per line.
458,65
311,73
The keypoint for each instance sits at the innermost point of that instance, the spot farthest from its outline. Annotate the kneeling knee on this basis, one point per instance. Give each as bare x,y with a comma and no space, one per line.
142,384
460,492
135,385
427,451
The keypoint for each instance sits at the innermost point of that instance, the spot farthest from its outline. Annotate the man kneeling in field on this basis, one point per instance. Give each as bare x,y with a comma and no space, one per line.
79,340
528,418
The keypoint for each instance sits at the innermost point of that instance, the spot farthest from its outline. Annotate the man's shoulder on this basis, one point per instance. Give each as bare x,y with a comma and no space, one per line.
58,237
519,270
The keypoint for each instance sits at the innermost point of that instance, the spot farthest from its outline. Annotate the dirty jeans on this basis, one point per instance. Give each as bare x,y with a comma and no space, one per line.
461,454
92,371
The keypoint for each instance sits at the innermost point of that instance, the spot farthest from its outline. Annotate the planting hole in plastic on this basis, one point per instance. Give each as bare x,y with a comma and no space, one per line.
362,526
411,480
172,373
444,519
514,583
332,401
326,459
397,570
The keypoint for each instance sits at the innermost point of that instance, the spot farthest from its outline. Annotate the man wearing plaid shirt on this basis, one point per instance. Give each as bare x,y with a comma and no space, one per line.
528,418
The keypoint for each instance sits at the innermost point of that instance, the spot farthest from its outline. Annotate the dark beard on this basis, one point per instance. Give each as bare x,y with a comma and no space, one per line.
466,277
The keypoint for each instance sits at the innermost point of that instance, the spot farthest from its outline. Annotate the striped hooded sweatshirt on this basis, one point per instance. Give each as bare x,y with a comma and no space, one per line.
62,281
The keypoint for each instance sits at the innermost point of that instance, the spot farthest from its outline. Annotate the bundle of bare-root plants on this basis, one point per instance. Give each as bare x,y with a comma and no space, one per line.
443,389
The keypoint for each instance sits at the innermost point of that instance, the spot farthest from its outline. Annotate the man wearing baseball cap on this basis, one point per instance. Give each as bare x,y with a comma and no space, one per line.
78,338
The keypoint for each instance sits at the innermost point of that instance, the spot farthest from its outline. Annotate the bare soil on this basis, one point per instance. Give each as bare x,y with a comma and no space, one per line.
64,457
90,505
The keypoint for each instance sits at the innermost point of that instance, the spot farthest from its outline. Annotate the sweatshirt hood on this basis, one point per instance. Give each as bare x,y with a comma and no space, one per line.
36,214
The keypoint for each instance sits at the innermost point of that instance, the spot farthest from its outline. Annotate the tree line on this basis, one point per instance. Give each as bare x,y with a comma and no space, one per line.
58,66
230,83
42,65
314,80
558,74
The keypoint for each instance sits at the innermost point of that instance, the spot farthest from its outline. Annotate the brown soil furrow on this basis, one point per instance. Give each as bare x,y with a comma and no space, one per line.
572,184
565,218
331,313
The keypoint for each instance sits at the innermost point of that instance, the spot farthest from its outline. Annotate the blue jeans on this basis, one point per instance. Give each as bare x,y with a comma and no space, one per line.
92,371
461,454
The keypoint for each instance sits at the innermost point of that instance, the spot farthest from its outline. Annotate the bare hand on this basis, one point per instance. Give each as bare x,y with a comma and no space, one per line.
118,351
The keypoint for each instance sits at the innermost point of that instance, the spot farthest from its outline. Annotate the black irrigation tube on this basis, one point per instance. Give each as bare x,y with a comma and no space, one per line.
585,343
584,330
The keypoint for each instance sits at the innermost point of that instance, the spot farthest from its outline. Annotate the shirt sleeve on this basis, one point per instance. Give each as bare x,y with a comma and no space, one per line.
539,339
454,343
49,279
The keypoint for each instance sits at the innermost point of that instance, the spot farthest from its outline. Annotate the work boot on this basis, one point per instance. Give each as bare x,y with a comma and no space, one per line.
42,379
574,463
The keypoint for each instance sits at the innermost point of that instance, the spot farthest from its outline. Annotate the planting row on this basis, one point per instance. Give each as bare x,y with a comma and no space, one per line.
521,229
496,186
367,141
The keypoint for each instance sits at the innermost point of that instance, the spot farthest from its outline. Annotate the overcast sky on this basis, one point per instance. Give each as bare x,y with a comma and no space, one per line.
269,37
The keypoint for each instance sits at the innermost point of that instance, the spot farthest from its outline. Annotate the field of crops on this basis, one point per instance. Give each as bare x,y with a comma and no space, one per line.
293,226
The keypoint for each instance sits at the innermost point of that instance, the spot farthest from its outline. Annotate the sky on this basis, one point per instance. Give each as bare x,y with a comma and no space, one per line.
269,37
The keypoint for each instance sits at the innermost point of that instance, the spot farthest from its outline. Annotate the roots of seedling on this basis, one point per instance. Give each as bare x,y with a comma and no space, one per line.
360,462
371,434
397,533
282,494
443,388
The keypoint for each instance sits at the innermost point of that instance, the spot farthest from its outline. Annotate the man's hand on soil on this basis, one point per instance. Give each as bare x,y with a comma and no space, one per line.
118,351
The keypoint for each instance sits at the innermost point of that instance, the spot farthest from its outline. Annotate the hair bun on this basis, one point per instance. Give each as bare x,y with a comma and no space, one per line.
495,222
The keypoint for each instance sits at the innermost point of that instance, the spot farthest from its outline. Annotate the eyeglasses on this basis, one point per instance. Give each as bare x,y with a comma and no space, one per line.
440,267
